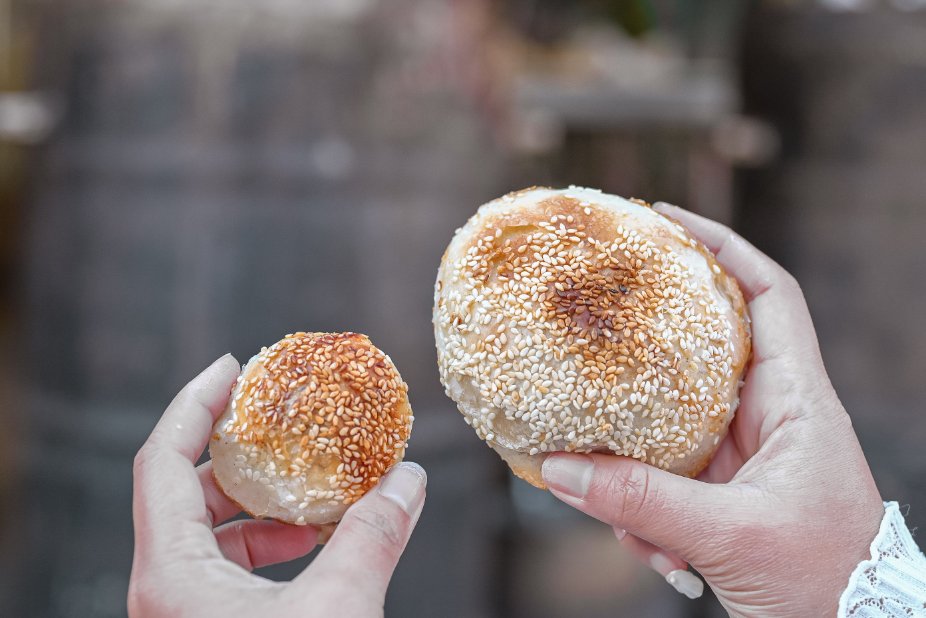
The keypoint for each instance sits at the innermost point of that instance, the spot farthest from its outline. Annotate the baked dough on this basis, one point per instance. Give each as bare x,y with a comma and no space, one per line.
313,423
573,320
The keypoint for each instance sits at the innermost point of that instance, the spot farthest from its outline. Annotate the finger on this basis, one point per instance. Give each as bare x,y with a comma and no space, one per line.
167,491
219,507
673,512
364,550
252,543
187,422
781,320
754,270
661,561
668,565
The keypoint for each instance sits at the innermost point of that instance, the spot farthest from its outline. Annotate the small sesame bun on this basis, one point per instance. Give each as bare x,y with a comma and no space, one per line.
572,320
313,422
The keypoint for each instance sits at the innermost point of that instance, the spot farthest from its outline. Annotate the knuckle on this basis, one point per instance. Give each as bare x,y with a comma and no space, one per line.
142,459
147,456
141,600
804,388
629,492
377,527
842,421
184,399
133,602
789,283
157,590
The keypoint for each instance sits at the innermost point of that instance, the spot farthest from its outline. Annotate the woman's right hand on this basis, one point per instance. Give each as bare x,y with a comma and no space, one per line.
189,563
788,507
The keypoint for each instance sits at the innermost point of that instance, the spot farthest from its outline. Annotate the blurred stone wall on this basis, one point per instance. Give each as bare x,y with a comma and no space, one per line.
224,174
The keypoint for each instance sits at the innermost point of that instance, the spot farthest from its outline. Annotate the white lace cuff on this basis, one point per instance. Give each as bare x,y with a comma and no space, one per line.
893,582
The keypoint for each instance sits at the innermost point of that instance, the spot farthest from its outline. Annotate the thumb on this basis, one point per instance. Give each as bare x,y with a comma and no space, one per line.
671,511
368,542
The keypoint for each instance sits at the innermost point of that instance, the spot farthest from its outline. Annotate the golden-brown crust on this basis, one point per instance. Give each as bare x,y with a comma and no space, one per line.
588,299
331,398
579,282
315,419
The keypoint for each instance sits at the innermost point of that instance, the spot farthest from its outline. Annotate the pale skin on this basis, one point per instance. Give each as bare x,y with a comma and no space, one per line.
188,563
775,524
788,506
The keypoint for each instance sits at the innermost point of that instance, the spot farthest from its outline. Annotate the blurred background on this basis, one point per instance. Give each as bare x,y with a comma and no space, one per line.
179,179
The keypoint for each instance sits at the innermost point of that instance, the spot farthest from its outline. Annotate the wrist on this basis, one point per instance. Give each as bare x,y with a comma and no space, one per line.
856,548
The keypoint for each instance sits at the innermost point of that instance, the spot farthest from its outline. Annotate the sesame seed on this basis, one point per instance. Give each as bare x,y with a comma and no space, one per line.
620,323
329,399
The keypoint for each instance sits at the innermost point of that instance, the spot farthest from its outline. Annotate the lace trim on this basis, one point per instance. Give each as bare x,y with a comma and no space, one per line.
892,584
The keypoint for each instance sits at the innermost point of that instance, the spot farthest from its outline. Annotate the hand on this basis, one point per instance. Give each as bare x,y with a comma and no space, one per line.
787,508
184,566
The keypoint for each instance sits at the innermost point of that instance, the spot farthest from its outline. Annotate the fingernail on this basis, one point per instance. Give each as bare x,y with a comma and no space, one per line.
569,474
620,533
662,564
686,583
222,360
404,485
214,380
661,206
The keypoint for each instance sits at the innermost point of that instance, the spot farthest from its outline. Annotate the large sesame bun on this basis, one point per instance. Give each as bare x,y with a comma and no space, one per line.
573,320
312,424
